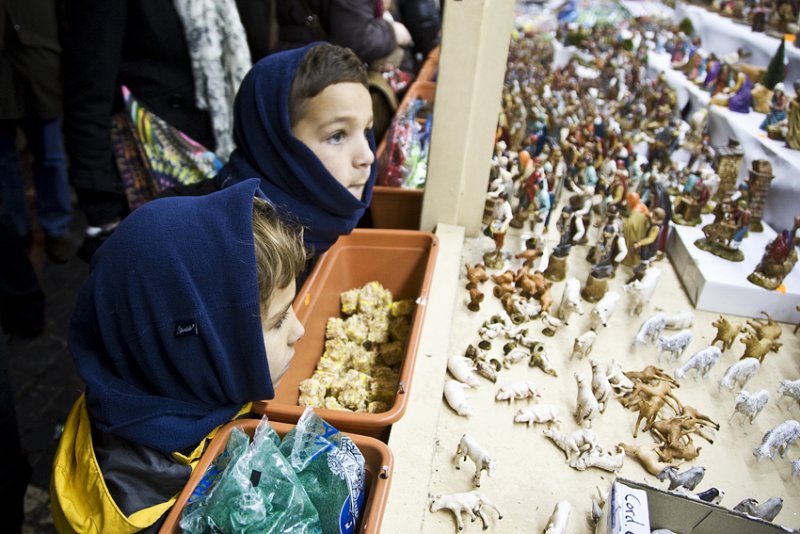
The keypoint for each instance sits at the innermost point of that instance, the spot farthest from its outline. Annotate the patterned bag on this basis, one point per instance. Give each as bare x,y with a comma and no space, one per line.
152,156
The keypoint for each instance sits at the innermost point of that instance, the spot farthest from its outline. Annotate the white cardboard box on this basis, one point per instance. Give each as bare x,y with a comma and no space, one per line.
718,285
633,508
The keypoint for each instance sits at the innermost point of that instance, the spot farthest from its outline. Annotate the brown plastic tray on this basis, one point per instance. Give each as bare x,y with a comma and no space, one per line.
429,70
401,260
378,461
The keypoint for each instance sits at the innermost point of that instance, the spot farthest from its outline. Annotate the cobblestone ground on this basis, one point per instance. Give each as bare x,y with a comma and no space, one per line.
45,381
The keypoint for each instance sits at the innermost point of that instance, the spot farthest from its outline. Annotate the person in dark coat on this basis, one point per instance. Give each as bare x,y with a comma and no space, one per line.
30,99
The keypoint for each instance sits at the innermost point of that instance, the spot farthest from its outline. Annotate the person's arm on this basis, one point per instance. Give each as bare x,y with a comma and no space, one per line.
623,250
92,52
353,24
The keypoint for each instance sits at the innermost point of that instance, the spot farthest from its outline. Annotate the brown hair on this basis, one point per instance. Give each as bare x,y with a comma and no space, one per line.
279,249
323,65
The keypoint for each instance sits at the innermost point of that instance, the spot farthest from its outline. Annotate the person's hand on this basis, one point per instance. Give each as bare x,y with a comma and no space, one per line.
401,35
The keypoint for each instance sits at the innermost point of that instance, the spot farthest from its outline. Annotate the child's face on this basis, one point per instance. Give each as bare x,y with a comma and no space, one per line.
281,331
334,126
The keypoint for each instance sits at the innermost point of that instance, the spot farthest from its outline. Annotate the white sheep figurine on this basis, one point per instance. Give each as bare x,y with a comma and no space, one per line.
789,389
750,405
689,479
641,291
621,384
767,510
463,370
601,387
680,320
587,405
570,300
456,397
470,503
674,345
740,373
559,518
520,390
573,443
779,438
608,461
701,361
582,346
650,329
469,448
604,309
538,413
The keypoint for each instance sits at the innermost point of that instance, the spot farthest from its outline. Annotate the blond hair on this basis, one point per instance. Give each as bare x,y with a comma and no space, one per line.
280,253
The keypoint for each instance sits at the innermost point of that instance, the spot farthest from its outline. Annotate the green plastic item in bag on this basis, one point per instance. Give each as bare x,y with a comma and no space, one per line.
258,492
331,468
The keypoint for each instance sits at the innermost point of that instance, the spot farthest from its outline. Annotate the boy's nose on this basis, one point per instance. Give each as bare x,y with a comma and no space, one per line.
298,330
364,156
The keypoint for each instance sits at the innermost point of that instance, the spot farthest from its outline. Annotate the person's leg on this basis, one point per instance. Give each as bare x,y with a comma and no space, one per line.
12,198
21,296
53,206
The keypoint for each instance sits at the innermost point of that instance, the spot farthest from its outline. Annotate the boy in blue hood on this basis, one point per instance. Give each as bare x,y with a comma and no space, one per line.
184,319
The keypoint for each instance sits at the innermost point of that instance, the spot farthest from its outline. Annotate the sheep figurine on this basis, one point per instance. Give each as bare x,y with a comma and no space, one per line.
679,321
641,291
582,346
650,329
519,390
470,503
767,511
557,523
604,309
702,362
726,332
608,461
570,300
789,389
456,397
621,384
587,405
601,387
573,443
462,370
750,405
689,479
739,373
538,413
469,448
779,438
674,345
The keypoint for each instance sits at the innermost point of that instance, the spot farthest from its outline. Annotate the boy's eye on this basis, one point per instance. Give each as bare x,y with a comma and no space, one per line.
280,322
336,137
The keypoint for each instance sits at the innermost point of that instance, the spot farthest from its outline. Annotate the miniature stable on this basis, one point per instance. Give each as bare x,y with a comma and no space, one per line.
530,474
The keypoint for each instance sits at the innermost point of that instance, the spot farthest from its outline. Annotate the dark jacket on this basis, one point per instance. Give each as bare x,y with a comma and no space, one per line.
421,17
137,43
350,23
30,66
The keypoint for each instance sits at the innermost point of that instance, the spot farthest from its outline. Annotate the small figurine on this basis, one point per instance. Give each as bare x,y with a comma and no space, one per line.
778,439
793,119
674,345
469,448
603,310
606,460
650,330
520,390
570,300
587,405
570,225
456,397
610,250
582,346
497,228
758,348
739,373
767,511
750,405
642,238
758,181
574,443
689,479
679,321
778,260
476,275
688,207
726,332
538,413
531,252
702,362
641,291
557,524
789,389
475,299
777,107
470,503
601,387
647,456
462,369
723,236
765,327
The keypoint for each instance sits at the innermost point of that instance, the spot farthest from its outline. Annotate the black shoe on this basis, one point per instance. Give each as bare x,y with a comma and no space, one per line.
58,248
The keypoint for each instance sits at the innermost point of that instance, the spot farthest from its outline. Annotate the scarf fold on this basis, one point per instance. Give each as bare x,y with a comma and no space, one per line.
220,60
291,175
166,331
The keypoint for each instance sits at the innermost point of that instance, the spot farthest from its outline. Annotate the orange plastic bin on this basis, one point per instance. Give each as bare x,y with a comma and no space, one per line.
401,260
378,461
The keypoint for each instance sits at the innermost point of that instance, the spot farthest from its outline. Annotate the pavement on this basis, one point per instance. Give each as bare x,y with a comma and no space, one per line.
44,378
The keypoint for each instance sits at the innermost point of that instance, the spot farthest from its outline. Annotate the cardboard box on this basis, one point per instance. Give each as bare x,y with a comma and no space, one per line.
377,458
637,508
402,261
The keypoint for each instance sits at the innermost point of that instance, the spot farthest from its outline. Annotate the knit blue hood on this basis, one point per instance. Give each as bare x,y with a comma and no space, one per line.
291,174
166,332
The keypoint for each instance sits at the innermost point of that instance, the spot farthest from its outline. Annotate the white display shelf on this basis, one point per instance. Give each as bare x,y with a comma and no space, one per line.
718,285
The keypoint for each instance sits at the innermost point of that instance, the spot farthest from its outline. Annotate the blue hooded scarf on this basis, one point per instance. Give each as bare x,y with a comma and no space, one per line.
291,174
166,332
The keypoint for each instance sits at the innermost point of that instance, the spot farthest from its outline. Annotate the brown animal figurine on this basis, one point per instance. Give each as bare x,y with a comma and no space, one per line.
726,332
504,289
546,300
475,299
647,456
684,451
476,275
648,411
672,431
528,256
765,328
651,374
505,278
694,414
758,348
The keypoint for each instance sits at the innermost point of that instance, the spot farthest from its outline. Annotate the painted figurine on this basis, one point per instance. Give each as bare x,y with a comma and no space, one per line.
777,107
778,261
